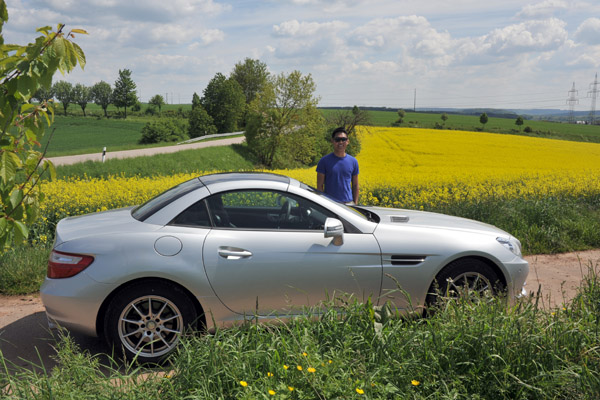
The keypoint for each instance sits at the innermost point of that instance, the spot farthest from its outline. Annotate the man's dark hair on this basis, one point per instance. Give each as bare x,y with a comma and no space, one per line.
338,130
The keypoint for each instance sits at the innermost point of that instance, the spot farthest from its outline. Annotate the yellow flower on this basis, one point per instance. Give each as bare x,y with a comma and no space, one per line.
269,374
271,392
360,391
330,361
305,354
311,370
244,383
290,388
414,382
299,367
285,366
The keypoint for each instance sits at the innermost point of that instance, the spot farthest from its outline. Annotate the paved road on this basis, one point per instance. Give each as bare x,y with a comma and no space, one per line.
67,160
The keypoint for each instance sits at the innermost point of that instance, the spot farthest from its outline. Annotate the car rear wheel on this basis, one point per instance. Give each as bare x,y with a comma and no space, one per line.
462,277
147,320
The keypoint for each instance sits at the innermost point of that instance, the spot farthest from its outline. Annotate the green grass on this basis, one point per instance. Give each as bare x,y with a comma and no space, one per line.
471,348
236,157
22,269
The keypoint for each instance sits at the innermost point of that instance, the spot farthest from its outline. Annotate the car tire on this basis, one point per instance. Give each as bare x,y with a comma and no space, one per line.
147,319
467,274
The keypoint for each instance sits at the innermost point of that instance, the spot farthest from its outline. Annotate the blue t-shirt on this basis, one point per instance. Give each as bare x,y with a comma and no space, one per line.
338,173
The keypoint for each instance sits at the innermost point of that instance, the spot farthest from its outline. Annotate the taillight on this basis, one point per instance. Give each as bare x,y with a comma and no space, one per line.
65,265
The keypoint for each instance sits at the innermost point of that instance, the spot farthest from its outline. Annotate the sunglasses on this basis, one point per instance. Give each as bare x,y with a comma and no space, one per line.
341,139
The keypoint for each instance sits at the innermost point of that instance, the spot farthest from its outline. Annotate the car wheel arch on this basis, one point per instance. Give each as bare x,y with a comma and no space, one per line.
102,312
490,263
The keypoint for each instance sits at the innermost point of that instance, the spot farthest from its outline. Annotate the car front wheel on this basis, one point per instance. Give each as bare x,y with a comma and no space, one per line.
147,320
462,277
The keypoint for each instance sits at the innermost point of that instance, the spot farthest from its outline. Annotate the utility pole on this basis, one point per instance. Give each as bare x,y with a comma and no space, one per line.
167,98
571,101
415,101
593,93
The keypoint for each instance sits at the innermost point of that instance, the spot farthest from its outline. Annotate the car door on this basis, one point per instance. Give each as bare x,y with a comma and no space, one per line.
281,261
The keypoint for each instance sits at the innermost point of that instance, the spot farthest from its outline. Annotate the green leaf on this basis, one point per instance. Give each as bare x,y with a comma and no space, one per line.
21,231
8,166
15,198
80,55
50,169
3,225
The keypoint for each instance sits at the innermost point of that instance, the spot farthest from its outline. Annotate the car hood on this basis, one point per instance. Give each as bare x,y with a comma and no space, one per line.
97,224
402,217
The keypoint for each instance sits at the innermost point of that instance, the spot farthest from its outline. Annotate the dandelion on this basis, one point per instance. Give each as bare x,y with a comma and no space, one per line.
330,362
415,382
311,370
244,383
271,392
291,388
305,354
299,367
360,391
269,374
285,366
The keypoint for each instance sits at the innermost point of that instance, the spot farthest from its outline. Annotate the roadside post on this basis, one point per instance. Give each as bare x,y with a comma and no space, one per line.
103,154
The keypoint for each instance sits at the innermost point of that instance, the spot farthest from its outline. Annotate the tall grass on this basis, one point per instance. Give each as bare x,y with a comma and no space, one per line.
470,348
22,269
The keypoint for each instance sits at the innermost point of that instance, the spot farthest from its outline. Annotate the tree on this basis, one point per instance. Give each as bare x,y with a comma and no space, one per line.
284,126
349,119
158,101
23,72
519,121
64,93
483,119
102,95
444,118
196,101
252,76
43,94
201,124
224,101
124,94
82,95
401,115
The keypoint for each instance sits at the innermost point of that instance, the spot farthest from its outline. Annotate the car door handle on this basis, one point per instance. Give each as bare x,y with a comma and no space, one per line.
232,253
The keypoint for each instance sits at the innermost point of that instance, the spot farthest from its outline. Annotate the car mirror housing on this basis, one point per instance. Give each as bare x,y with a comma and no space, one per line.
335,229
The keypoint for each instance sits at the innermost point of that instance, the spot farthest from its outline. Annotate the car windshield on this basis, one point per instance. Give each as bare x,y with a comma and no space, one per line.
323,195
153,205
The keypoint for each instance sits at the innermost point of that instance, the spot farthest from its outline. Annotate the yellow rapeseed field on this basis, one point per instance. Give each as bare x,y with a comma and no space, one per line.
400,167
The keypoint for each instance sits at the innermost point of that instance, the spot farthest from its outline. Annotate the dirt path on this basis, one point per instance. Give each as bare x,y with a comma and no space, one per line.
24,333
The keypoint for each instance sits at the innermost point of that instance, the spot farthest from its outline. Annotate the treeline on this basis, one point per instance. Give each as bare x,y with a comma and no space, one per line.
123,95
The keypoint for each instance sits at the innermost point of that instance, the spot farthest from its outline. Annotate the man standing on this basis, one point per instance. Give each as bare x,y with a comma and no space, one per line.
337,172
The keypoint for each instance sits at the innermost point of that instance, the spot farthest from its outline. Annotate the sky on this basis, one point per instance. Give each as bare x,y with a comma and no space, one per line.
506,54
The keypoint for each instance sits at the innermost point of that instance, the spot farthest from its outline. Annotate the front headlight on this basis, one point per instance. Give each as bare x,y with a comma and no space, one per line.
511,244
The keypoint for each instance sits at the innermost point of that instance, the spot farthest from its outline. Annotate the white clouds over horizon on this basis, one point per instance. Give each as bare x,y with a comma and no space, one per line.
371,49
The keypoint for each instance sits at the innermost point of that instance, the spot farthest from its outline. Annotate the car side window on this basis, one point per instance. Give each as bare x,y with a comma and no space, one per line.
195,215
265,209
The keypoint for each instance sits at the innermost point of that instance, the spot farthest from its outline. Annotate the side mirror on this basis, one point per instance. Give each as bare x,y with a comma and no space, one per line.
335,229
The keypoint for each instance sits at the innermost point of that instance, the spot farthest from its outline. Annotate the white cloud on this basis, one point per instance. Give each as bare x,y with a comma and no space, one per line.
531,36
294,28
543,10
589,31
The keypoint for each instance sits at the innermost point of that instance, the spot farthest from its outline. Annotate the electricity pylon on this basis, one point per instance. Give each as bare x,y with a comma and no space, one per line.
572,101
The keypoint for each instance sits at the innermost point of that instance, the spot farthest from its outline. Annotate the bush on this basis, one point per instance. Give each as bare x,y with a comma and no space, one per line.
164,130
528,129
201,124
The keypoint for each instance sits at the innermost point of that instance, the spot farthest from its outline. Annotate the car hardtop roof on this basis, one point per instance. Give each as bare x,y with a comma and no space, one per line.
243,176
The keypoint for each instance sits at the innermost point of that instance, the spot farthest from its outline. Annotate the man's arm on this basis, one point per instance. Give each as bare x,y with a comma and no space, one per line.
320,182
355,188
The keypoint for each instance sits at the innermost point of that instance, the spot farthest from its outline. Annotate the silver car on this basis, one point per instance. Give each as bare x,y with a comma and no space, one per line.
220,248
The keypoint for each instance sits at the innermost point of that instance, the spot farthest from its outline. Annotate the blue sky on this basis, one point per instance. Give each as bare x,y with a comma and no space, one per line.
455,53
